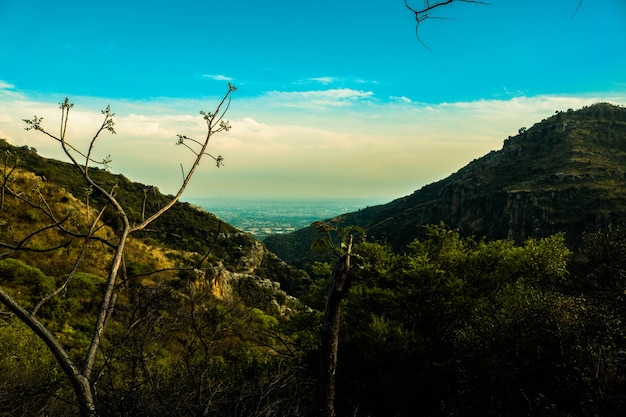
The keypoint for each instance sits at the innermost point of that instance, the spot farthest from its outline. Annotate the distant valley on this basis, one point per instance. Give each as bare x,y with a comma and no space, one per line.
264,217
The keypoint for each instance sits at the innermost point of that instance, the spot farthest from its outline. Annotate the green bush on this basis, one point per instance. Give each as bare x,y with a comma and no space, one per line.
26,283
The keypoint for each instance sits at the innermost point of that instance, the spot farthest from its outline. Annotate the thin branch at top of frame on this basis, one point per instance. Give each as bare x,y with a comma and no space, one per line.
429,7
580,2
424,12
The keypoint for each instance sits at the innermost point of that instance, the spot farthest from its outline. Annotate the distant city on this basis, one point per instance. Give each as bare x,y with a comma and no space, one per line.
266,217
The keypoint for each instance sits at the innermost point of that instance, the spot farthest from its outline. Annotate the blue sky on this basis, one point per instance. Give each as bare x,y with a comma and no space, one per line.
335,99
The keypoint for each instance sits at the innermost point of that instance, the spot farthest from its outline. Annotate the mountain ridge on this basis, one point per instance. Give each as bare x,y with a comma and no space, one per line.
567,173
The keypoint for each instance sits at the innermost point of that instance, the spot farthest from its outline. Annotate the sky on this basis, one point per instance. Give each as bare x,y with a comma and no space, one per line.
335,99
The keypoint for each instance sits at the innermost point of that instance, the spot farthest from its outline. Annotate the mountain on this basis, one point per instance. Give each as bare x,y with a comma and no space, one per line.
566,173
184,234
199,310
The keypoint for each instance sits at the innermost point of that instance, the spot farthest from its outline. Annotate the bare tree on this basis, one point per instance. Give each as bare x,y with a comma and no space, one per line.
81,373
343,251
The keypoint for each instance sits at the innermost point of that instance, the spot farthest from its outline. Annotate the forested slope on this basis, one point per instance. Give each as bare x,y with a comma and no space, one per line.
566,173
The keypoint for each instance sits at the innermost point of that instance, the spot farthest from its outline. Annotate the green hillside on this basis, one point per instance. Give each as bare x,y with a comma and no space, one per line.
566,173
192,291
185,227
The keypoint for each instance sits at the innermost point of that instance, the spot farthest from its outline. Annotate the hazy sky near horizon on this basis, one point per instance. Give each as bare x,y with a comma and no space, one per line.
335,98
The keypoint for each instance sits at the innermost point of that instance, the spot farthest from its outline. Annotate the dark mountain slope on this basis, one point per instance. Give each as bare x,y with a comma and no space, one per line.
565,174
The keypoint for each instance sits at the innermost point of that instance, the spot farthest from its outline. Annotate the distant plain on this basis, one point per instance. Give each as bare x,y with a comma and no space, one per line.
263,217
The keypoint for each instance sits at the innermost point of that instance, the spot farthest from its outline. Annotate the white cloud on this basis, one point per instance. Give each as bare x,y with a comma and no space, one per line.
5,85
317,80
151,125
319,98
328,80
362,81
338,93
290,143
400,98
252,125
324,80
218,77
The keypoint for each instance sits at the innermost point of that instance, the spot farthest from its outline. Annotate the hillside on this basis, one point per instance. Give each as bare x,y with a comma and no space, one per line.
197,305
566,173
198,324
186,230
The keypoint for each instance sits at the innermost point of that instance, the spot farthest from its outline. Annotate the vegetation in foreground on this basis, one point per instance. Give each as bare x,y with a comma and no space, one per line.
452,326
448,325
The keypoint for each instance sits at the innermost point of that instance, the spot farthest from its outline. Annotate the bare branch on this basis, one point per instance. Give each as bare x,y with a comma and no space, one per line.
21,245
425,12
182,139
182,171
81,376
65,284
108,124
65,111
212,119
88,238
219,160
48,338
7,175
580,2
45,208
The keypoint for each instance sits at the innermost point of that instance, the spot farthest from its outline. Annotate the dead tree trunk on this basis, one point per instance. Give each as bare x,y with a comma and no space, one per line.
340,283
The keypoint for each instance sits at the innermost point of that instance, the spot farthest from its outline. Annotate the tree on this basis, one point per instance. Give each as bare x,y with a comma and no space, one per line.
455,326
343,252
82,373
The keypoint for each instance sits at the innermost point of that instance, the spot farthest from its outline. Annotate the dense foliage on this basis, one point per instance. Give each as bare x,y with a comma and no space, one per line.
461,327
452,326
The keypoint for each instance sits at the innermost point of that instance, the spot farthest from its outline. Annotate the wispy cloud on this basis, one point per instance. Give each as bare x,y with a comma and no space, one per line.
336,142
362,81
338,97
218,77
339,81
324,80
400,98
5,85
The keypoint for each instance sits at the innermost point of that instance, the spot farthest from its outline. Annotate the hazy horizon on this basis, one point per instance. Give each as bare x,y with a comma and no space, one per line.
267,216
